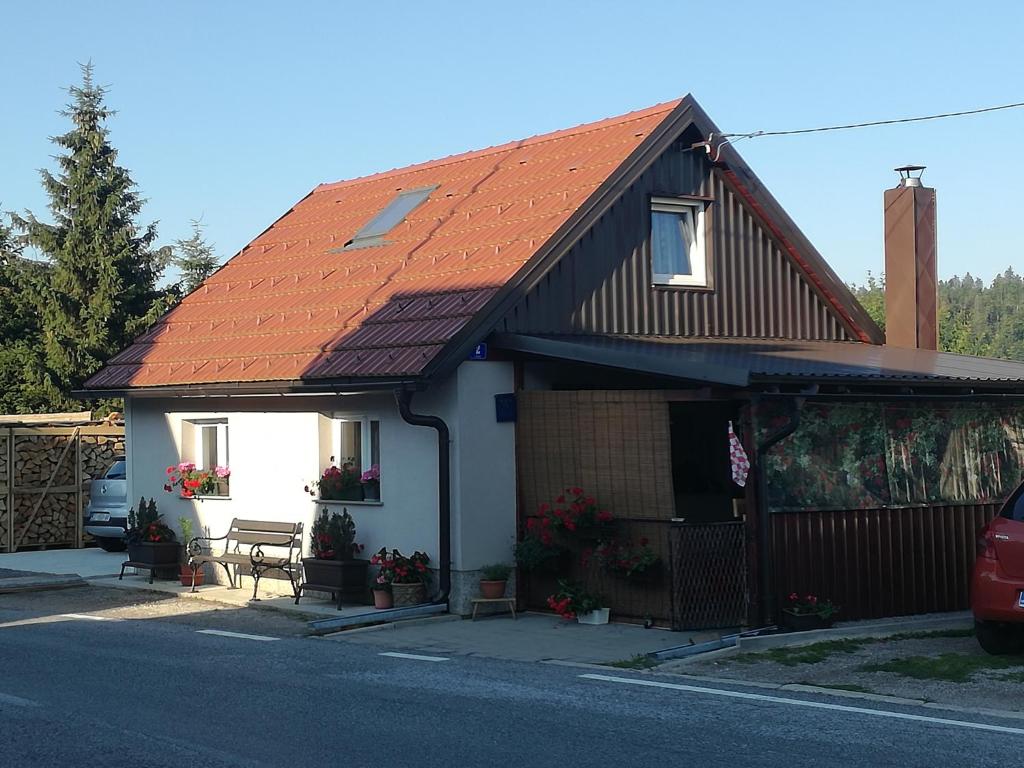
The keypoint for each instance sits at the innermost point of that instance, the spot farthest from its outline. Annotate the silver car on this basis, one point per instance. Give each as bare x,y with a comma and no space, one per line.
106,515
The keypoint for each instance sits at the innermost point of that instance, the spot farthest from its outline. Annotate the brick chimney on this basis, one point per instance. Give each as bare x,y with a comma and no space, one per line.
911,275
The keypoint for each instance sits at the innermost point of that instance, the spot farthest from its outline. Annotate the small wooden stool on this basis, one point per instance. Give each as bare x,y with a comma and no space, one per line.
509,601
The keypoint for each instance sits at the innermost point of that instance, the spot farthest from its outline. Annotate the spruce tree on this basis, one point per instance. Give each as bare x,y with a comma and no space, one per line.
98,287
195,258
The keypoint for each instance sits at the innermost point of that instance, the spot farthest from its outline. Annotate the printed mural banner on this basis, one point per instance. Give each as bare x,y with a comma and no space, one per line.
856,455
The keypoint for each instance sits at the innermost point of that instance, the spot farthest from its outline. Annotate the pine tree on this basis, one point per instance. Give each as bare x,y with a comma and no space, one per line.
99,286
195,258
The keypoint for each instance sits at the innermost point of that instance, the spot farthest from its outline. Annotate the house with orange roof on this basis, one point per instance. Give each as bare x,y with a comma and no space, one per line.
620,307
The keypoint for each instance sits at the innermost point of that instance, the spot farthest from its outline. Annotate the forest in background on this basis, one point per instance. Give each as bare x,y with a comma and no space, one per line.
975,318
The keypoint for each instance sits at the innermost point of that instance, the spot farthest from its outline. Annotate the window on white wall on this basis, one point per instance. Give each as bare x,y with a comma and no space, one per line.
210,450
357,442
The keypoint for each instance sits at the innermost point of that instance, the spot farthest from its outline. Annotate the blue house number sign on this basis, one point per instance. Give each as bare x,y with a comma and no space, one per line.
479,351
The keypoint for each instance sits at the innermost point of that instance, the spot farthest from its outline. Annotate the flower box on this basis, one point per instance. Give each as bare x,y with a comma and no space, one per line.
802,622
157,553
595,617
345,578
408,594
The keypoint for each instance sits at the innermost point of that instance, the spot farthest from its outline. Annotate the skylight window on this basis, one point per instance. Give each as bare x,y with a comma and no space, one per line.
394,213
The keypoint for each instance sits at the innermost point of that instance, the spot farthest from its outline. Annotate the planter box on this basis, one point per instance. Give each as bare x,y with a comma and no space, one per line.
153,553
408,594
344,578
599,616
346,494
801,622
371,491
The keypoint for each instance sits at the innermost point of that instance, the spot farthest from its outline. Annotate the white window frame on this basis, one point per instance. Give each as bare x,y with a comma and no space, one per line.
365,438
698,250
221,428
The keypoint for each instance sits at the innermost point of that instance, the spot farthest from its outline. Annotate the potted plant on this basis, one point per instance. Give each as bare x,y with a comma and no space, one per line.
538,551
191,482
493,579
406,576
576,512
334,566
370,480
186,570
626,560
807,612
572,601
151,541
337,484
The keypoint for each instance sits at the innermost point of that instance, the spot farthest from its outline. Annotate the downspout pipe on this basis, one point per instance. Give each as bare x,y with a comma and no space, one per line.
767,588
444,486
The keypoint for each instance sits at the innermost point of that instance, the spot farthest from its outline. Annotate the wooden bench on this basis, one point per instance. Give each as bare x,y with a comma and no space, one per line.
508,602
260,544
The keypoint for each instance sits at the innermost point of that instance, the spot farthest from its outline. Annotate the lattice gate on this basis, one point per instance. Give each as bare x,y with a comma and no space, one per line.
709,575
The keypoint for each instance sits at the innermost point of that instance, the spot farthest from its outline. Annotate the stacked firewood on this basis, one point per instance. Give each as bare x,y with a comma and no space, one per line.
36,459
54,522
98,453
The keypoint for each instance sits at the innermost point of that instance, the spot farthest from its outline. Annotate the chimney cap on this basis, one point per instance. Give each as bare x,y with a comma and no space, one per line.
910,175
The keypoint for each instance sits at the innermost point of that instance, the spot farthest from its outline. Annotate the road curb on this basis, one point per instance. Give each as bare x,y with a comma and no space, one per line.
40,583
835,692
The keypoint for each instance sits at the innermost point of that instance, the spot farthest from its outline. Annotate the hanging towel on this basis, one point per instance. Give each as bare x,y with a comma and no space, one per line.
738,459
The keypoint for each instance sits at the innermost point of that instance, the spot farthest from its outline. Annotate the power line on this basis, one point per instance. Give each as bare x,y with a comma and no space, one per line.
871,123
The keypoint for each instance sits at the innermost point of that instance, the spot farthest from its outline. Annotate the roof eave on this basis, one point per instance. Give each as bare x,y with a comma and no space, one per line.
257,388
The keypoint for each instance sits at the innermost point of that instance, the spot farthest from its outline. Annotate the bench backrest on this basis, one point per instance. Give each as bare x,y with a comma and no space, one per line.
276,537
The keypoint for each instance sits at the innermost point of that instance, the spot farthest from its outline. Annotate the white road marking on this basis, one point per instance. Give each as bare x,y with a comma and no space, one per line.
242,635
414,656
811,704
86,617
17,701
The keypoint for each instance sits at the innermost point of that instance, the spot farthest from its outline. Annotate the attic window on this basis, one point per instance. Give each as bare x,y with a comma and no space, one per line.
678,242
394,213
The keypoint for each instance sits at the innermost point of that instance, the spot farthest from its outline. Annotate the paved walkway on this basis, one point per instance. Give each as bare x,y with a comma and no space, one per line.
530,637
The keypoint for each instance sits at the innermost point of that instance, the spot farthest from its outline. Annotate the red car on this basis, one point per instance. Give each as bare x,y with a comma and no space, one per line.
997,583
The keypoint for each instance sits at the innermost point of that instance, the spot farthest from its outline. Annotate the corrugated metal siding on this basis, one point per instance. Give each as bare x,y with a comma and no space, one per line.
879,562
603,285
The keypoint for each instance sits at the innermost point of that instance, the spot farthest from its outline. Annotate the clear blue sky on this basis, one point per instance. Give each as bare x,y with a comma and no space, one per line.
233,111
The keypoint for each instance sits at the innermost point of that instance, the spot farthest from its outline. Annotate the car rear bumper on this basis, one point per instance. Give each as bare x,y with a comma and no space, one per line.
115,528
994,595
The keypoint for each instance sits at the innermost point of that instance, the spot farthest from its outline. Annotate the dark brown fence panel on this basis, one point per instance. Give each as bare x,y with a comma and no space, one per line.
709,576
879,562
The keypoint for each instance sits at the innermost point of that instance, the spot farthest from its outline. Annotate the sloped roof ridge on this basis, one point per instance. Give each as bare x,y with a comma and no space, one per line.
665,106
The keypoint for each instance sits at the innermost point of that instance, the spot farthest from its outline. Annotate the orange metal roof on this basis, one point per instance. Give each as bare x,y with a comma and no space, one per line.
291,305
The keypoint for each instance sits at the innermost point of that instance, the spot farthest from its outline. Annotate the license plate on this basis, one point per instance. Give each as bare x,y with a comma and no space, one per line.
100,517
1020,600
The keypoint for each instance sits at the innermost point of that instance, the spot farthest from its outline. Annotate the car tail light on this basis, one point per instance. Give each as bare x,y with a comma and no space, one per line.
987,545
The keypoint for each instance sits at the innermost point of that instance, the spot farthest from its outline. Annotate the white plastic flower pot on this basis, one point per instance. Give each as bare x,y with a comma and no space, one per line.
600,616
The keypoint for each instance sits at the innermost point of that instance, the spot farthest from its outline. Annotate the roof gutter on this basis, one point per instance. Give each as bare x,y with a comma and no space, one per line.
290,388
444,487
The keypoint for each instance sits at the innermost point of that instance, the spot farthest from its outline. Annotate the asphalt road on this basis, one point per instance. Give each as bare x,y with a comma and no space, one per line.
149,688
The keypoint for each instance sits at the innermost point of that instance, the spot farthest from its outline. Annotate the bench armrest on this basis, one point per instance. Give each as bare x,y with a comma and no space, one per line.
195,548
256,556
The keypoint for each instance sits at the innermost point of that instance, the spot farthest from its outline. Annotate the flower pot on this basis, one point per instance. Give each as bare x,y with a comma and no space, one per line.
371,491
408,594
598,616
344,577
186,576
492,590
382,599
802,622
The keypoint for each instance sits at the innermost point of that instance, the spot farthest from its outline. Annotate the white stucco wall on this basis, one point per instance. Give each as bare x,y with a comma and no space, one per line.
274,450
277,445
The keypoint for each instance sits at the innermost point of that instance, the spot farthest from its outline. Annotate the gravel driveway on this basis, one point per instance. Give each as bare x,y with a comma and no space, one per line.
941,667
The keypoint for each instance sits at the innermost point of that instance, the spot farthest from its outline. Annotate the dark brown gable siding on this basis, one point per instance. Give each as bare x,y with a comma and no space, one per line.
603,284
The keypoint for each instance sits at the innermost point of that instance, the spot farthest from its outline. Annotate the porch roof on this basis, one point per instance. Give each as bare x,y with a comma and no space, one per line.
743,362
